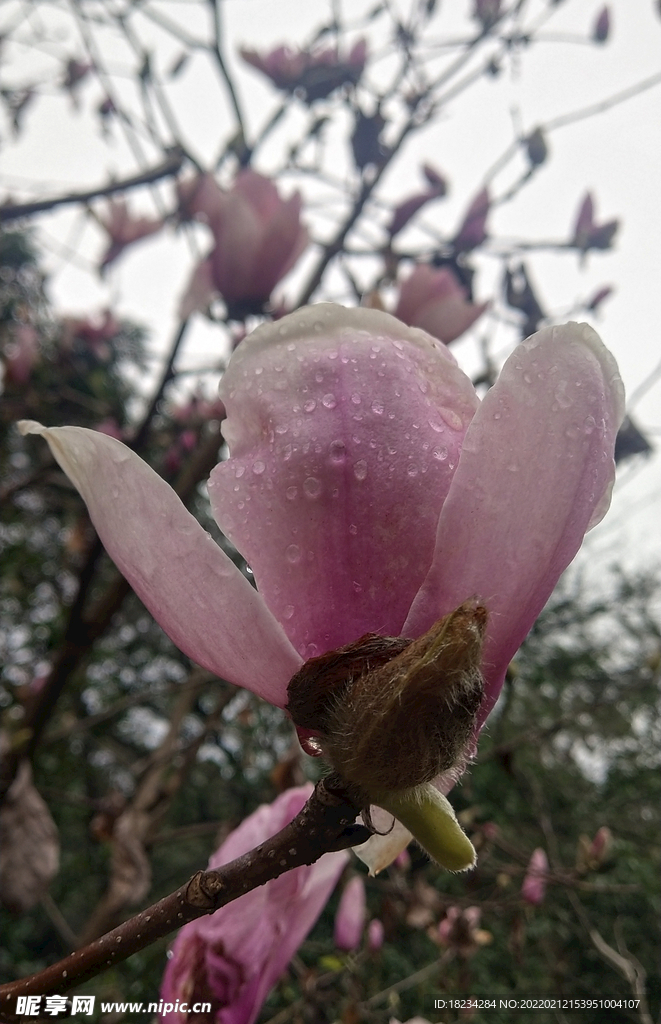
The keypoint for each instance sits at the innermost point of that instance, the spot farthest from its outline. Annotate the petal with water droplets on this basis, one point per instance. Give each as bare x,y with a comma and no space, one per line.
535,473
186,581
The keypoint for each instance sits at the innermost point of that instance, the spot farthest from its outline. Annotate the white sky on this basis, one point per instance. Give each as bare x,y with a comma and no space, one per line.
617,155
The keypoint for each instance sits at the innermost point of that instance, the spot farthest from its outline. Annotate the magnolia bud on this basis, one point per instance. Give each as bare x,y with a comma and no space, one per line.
392,713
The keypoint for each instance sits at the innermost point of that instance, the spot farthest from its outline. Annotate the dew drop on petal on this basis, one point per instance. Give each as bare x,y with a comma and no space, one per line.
310,405
288,611
239,471
353,529
312,487
377,408
258,467
338,451
291,493
412,469
360,469
293,554
329,401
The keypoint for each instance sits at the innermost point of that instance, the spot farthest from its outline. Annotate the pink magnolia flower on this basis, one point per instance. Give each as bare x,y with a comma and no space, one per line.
316,73
587,233
460,929
370,491
602,26
234,957
404,211
123,229
473,228
533,889
351,915
434,300
258,238
21,354
375,934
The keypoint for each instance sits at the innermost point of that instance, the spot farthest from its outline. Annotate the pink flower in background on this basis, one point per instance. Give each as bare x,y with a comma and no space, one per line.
460,930
351,915
123,229
434,300
234,957
316,73
402,214
258,238
602,26
370,491
533,889
587,233
473,228
375,934
21,354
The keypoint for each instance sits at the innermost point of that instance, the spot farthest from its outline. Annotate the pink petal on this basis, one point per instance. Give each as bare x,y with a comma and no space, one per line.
239,234
345,428
200,291
535,473
533,889
351,915
237,954
187,582
283,242
259,192
447,319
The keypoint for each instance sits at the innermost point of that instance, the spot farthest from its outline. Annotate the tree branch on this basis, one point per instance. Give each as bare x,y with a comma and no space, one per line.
325,824
167,168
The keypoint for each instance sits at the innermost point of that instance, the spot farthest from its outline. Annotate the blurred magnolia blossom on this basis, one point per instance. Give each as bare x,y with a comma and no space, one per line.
344,427
94,332
123,229
592,854
432,299
234,957
460,931
533,889
315,73
258,238
351,915
375,934
21,353
404,211
602,26
473,229
587,233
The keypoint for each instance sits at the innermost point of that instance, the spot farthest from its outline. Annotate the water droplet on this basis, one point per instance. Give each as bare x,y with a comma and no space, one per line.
412,469
291,493
239,471
513,467
498,415
589,424
357,589
258,370
310,405
355,398
288,611
312,487
338,451
293,554
572,432
353,529
561,396
318,376
360,469
377,408
527,378
258,467
291,346
438,427
329,401
453,419
440,453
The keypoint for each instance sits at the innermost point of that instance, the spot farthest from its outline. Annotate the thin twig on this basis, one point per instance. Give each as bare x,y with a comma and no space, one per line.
323,825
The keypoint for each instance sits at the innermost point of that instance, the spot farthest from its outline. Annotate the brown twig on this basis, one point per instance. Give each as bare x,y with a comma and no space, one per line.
167,168
323,825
